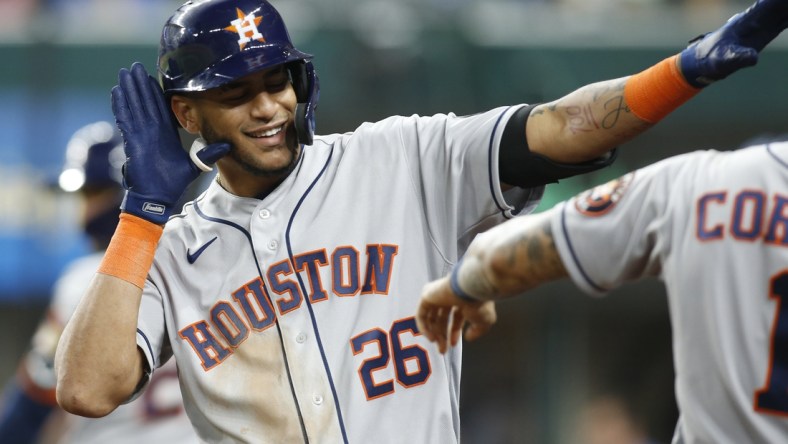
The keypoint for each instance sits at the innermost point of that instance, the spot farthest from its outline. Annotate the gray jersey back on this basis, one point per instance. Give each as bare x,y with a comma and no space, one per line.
714,227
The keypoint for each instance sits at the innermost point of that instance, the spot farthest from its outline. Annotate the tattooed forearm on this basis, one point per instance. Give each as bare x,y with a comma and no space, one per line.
614,106
581,119
603,99
598,106
585,124
477,285
534,245
540,261
601,90
512,259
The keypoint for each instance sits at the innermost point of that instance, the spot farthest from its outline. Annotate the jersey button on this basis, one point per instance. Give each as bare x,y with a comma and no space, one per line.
272,245
317,399
301,338
264,214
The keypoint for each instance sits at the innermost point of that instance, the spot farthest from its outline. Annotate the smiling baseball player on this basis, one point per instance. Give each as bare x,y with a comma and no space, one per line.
287,291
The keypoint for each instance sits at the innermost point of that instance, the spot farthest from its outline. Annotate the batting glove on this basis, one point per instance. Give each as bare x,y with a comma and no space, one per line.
735,45
157,169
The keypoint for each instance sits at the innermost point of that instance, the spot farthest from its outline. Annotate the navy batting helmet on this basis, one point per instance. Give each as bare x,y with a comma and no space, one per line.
94,158
93,166
208,43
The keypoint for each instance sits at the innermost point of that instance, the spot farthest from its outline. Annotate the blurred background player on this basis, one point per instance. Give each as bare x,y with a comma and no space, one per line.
29,413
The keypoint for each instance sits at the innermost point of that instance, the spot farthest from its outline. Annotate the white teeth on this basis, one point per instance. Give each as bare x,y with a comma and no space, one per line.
269,133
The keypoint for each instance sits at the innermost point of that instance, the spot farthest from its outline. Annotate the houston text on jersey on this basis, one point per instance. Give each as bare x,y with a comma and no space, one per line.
251,307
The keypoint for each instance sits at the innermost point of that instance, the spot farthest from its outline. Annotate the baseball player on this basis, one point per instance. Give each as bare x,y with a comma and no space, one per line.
287,292
713,226
94,157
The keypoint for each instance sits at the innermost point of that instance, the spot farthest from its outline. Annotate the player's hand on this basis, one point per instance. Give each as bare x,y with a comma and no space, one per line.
442,315
157,169
735,45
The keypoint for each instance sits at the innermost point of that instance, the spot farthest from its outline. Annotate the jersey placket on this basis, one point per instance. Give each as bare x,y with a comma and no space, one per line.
312,390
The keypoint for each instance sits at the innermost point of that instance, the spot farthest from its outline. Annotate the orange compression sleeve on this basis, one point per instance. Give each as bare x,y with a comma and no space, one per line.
654,93
131,250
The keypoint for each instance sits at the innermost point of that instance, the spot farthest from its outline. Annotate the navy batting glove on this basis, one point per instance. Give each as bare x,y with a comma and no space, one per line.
735,45
157,169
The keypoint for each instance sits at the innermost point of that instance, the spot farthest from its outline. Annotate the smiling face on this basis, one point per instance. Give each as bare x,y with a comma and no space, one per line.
255,115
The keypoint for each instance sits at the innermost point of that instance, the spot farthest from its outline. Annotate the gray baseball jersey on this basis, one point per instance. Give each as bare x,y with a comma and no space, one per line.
292,316
714,227
156,417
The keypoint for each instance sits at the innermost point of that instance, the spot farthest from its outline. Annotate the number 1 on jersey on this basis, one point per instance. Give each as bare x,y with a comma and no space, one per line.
773,397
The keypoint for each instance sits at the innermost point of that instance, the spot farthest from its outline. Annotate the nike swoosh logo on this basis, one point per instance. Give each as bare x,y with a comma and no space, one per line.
192,257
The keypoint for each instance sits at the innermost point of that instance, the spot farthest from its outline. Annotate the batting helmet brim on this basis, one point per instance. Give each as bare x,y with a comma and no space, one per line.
256,58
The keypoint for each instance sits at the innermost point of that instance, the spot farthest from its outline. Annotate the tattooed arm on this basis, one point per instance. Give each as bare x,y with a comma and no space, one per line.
503,262
584,124
590,121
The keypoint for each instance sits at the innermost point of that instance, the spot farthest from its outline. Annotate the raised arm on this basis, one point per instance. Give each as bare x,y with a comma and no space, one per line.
503,262
596,118
98,363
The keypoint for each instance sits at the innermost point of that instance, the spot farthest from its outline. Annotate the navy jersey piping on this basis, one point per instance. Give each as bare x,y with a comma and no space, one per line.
147,343
775,156
278,327
574,255
306,294
504,211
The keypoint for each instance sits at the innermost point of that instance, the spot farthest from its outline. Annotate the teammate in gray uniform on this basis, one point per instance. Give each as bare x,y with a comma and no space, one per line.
29,413
713,226
287,292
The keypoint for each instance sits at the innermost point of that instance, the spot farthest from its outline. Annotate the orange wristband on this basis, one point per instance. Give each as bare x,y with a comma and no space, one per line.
131,250
654,93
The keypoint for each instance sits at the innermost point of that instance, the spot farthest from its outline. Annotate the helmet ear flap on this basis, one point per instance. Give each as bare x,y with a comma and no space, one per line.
298,77
304,130
305,85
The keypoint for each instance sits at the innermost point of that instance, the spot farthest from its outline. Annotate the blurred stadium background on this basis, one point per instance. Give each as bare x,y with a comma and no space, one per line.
559,365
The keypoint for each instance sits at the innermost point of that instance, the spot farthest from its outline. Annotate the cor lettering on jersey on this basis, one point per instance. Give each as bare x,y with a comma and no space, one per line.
748,215
254,306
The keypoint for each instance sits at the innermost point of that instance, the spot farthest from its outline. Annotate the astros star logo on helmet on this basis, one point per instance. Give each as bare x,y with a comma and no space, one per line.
246,27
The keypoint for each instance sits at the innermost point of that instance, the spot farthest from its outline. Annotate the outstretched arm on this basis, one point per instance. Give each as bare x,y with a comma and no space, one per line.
97,361
503,262
592,120
586,123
